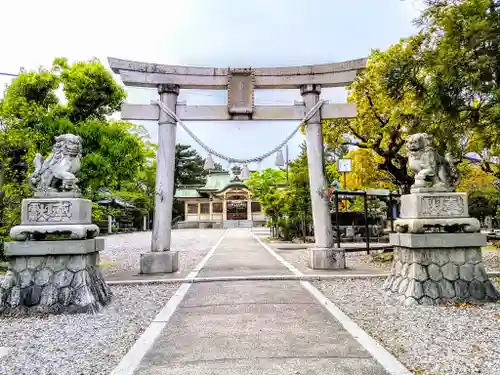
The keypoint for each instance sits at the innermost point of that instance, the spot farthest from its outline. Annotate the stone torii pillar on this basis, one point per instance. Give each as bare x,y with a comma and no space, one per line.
323,255
161,259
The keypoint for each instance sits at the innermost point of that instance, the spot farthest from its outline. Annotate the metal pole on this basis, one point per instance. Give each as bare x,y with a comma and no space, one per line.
337,217
367,227
286,162
345,181
391,210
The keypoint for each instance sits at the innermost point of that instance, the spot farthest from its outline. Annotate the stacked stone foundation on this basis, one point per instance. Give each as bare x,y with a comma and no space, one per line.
58,276
53,284
432,275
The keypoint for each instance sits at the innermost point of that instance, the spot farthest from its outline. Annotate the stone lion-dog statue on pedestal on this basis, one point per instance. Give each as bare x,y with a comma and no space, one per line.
57,172
429,166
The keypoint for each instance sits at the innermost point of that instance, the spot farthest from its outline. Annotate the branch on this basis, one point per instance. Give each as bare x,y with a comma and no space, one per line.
360,145
372,107
356,134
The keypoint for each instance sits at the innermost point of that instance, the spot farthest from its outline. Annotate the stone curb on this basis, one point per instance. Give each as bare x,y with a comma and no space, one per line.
257,278
242,278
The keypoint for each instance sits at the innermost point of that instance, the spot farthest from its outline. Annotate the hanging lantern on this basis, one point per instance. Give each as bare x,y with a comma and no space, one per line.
280,160
245,172
209,163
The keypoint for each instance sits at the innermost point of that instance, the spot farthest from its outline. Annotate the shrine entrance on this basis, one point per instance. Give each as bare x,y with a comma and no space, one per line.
237,210
241,84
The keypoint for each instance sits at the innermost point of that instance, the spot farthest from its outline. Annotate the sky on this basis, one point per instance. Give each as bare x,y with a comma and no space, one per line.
214,33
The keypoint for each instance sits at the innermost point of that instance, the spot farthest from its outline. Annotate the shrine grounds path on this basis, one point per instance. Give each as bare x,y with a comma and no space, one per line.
264,327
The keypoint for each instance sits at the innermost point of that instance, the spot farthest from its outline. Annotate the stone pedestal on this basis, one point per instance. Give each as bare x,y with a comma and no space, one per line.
59,276
434,268
51,277
326,258
55,214
160,262
423,211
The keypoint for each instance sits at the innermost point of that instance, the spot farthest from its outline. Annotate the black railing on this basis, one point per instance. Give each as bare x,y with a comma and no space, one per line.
341,194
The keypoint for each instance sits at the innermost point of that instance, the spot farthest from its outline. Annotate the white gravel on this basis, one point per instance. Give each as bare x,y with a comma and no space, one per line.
428,340
491,260
122,252
359,261
81,344
362,262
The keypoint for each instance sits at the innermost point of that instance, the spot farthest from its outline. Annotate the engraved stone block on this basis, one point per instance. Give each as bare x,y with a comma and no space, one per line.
241,92
45,211
434,205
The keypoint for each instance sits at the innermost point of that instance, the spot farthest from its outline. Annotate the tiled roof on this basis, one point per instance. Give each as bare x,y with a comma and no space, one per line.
216,181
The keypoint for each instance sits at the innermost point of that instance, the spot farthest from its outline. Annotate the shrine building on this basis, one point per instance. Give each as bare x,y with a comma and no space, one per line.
223,202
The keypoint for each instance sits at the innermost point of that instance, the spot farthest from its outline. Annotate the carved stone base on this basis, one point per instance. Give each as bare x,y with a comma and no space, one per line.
53,247
450,225
160,262
433,275
39,232
326,258
55,215
53,284
435,211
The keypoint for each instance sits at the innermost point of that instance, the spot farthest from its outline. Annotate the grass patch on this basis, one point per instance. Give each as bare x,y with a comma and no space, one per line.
383,257
271,239
106,264
491,248
3,267
463,305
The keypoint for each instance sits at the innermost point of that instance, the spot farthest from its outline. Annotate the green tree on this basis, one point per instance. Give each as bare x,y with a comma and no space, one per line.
299,205
382,121
32,115
188,166
268,188
454,74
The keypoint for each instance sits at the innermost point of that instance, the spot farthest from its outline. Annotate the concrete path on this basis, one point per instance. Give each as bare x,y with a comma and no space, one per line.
252,327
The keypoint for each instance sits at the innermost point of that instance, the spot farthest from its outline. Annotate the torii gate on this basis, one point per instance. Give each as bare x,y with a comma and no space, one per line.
240,85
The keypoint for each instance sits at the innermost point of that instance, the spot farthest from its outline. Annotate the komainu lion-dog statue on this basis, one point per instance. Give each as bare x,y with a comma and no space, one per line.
57,172
429,166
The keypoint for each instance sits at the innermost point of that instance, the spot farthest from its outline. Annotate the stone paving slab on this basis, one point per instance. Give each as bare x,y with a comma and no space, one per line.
253,327
240,254
273,366
238,292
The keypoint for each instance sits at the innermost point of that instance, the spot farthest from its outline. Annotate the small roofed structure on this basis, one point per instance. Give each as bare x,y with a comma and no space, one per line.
224,201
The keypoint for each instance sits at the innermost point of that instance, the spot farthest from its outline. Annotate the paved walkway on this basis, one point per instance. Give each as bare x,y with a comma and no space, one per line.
252,327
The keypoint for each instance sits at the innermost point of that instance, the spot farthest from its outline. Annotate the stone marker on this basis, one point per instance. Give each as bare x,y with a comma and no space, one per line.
437,250
63,275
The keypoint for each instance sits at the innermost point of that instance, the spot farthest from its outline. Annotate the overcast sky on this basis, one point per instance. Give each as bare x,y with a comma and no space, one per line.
217,33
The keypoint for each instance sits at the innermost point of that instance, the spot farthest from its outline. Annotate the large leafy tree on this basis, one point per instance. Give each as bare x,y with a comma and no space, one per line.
382,120
365,174
113,150
455,75
443,81
32,115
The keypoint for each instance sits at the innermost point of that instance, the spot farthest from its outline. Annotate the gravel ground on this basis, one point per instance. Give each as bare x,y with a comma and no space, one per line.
428,340
81,344
122,252
491,259
363,262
